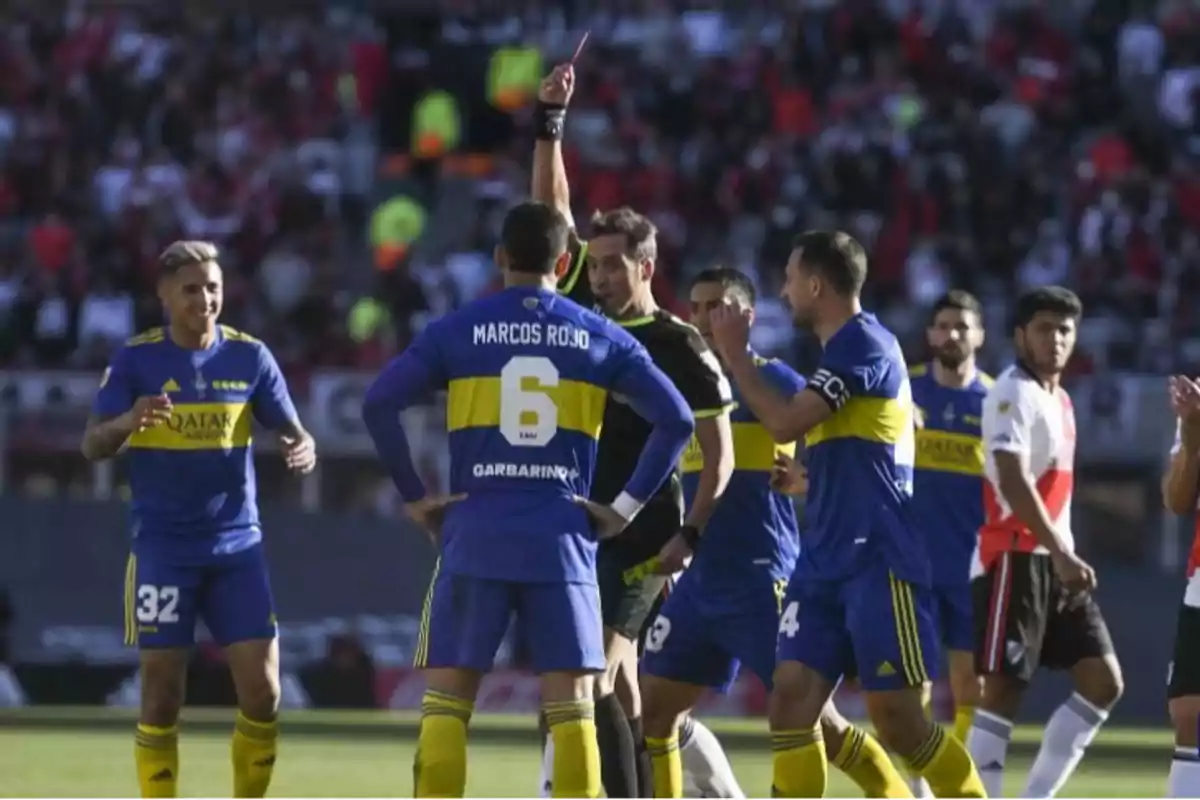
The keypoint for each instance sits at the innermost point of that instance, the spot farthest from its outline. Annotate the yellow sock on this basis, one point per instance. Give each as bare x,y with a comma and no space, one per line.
801,769
576,770
668,765
156,752
927,705
945,763
865,762
440,764
963,715
253,755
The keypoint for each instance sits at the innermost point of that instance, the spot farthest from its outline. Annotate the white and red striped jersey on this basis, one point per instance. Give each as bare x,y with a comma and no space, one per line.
1191,595
1022,416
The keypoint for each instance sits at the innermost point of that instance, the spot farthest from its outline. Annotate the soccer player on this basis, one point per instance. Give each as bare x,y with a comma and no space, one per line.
614,270
725,610
1032,593
860,598
528,373
178,402
1181,488
948,483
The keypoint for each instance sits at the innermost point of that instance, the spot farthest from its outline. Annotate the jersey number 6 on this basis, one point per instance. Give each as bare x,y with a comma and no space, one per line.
528,415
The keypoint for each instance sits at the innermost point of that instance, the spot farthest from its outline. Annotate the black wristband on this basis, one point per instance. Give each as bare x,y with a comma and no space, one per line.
549,119
690,534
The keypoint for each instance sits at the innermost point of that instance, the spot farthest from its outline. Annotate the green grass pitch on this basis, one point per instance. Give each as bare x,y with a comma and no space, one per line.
75,753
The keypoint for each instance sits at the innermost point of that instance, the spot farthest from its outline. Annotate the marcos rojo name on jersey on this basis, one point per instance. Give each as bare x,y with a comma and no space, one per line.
531,333
199,426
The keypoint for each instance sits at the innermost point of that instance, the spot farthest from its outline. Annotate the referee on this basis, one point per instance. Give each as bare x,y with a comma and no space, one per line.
612,271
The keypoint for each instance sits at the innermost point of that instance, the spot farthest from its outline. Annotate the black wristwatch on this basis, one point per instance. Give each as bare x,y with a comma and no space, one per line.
690,534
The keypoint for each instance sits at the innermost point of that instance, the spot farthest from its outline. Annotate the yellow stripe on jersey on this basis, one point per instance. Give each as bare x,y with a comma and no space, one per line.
151,336
199,426
131,626
753,449
476,402
912,660
960,453
875,419
234,335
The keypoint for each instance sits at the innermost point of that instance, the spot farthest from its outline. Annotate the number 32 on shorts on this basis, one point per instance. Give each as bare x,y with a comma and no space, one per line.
157,604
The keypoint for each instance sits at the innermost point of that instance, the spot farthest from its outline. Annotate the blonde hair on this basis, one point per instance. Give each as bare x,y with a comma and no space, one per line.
186,253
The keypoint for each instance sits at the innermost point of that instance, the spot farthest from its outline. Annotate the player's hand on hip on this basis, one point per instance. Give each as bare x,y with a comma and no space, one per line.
606,522
789,476
299,453
557,87
148,412
1075,573
430,512
674,555
730,327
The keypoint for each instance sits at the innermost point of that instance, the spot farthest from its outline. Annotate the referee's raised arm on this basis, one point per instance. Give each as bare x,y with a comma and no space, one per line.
549,173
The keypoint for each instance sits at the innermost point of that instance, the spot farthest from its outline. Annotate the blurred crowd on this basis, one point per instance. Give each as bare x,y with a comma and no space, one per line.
983,144
124,127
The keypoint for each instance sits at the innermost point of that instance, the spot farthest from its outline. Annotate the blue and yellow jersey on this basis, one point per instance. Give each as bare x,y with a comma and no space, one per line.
860,460
528,374
948,484
752,534
192,478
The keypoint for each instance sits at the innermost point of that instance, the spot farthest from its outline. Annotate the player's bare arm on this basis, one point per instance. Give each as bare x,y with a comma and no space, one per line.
549,173
1181,483
787,419
715,436
106,438
299,449
1018,490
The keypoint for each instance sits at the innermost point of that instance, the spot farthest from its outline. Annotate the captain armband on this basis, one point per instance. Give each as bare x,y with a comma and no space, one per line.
830,387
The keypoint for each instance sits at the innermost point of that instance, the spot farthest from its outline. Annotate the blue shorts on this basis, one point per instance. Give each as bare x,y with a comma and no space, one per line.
699,641
955,616
231,595
466,618
873,624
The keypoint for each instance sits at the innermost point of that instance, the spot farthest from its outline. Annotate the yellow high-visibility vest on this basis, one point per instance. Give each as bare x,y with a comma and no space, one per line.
366,317
513,77
437,125
395,225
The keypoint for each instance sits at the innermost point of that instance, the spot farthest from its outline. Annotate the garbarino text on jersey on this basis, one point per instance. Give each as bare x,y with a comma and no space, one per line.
540,472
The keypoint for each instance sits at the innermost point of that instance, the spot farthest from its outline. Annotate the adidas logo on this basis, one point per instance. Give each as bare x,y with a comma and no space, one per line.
269,761
992,766
886,670
162,775
170,386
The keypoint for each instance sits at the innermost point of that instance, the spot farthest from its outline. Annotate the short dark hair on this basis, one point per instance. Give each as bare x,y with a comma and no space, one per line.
1051,299
729,279
957,300
185,253
836,256
641,235
534,236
